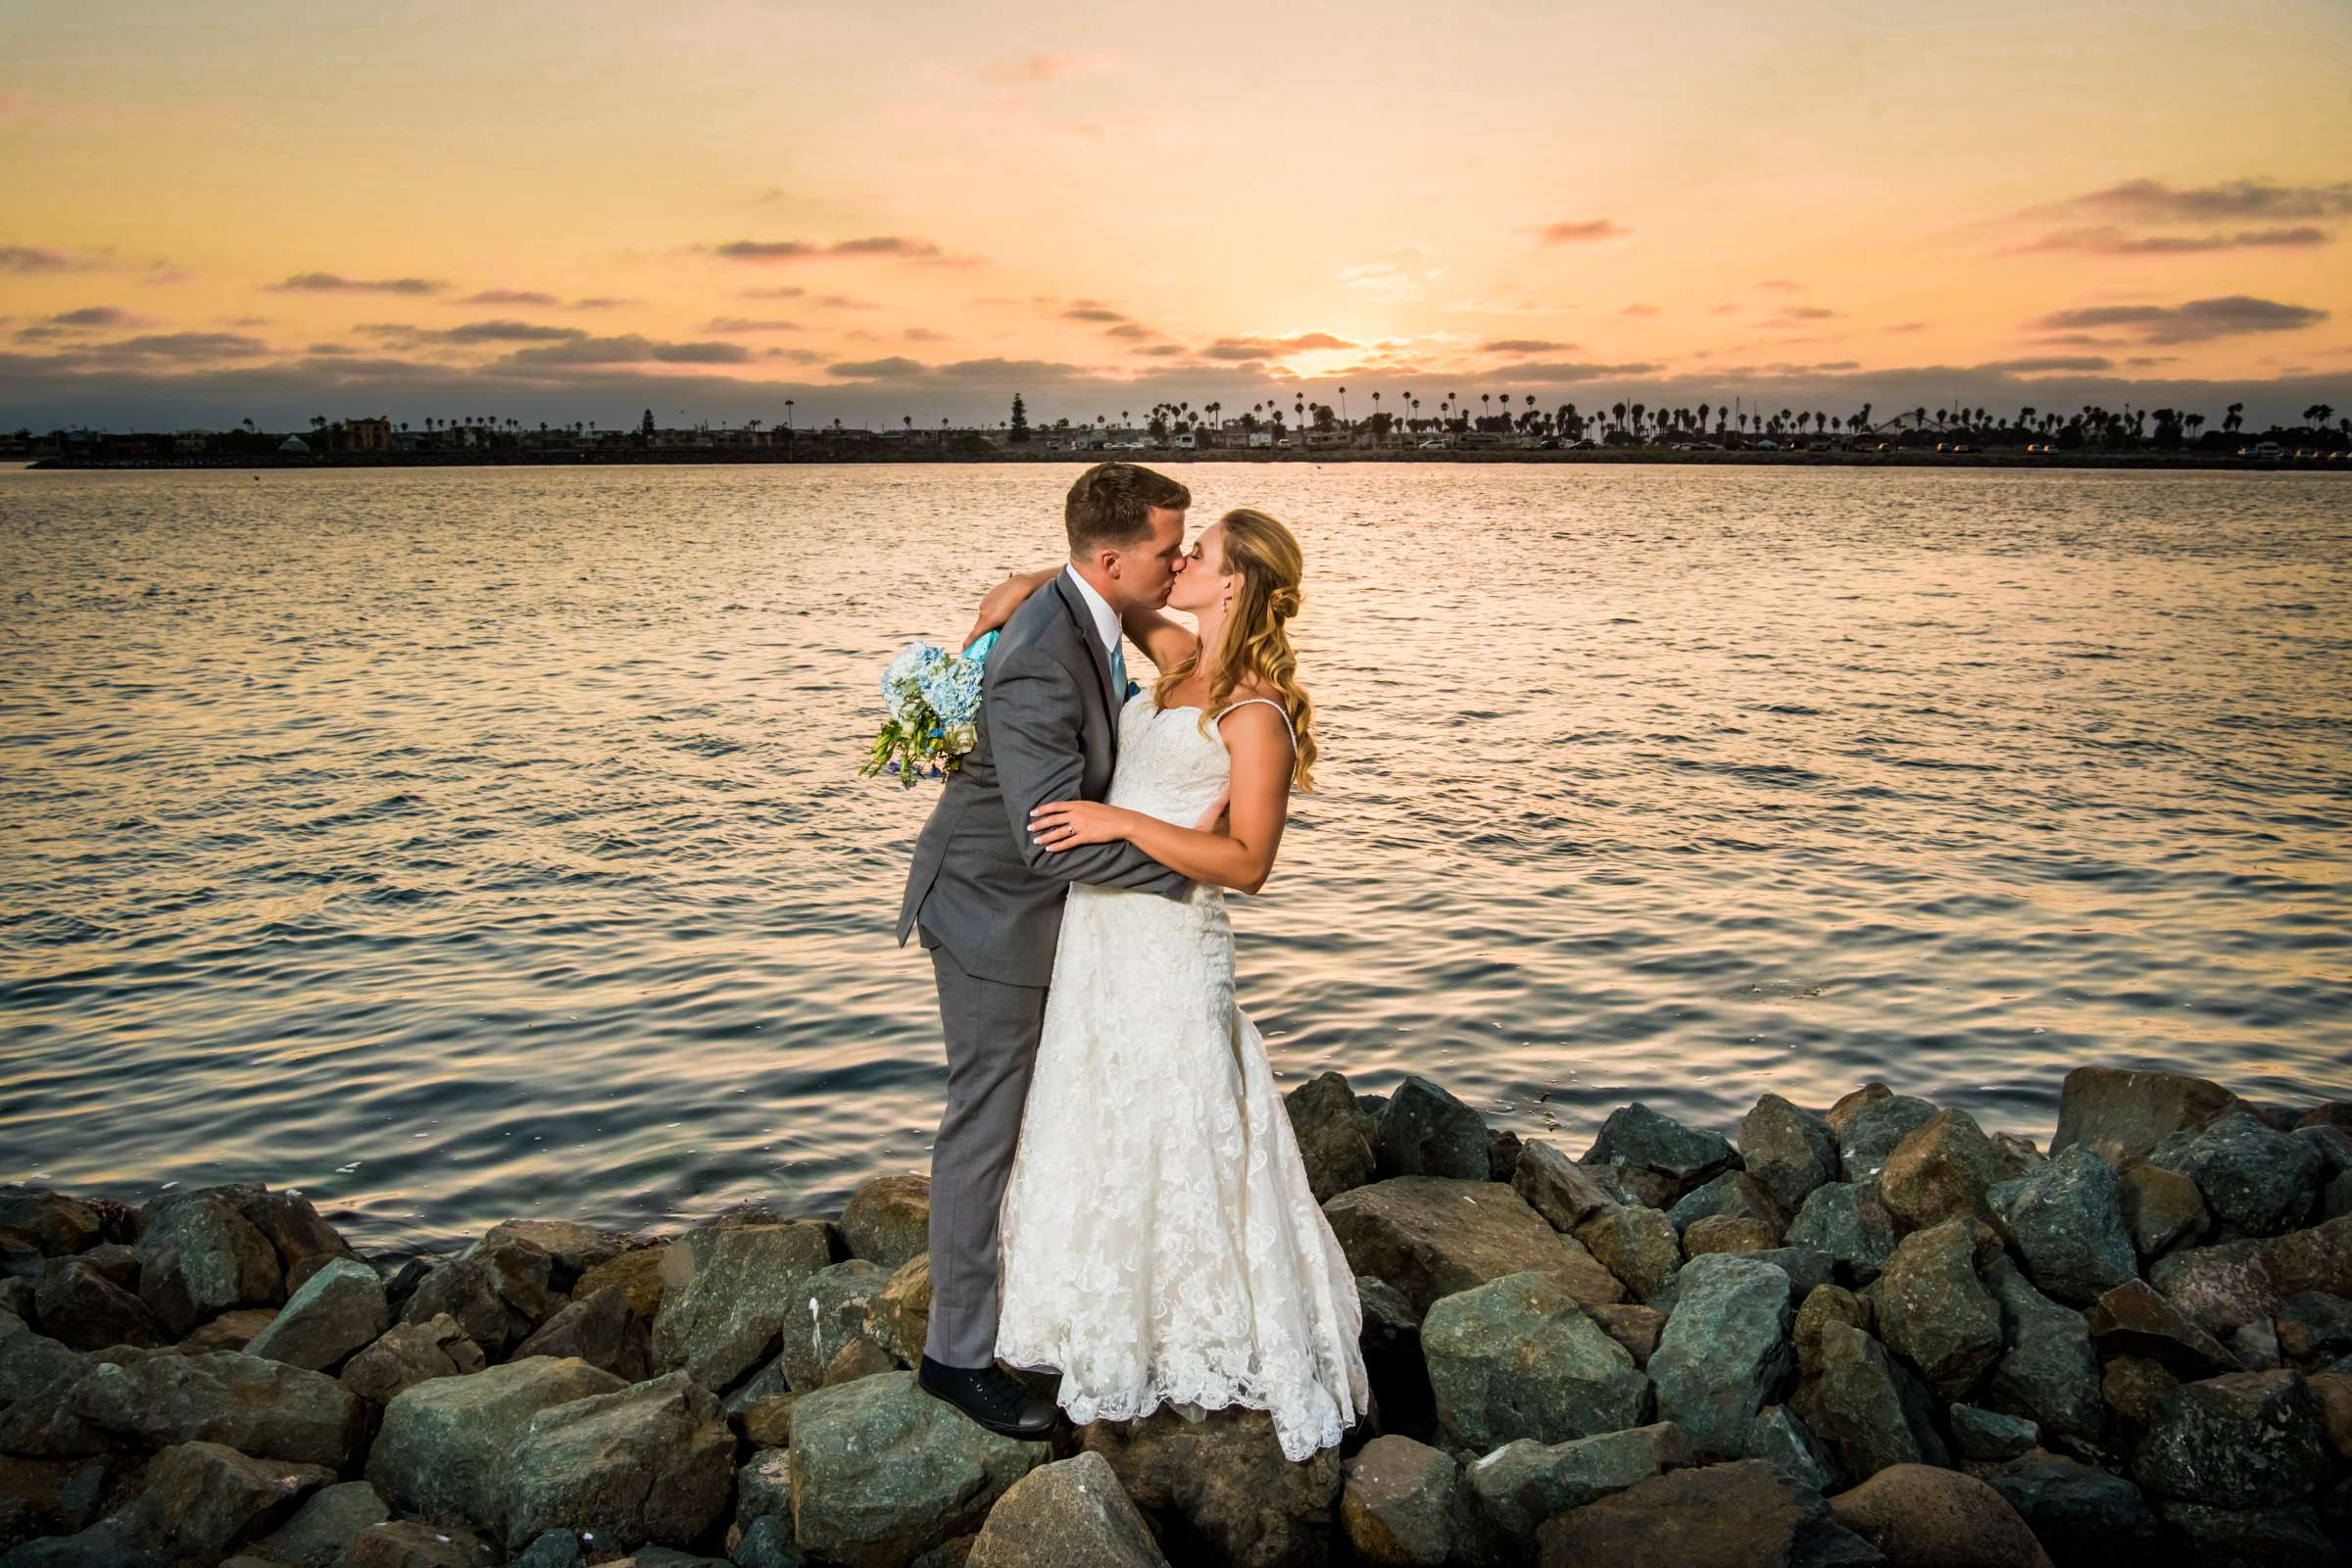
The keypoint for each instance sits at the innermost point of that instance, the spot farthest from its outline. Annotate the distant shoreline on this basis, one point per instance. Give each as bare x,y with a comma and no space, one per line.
1849,460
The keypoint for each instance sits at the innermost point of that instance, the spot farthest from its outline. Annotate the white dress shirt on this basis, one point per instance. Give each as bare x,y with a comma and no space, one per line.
1106,620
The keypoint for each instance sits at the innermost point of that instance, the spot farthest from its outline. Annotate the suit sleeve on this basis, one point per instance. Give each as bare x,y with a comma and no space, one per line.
1031,709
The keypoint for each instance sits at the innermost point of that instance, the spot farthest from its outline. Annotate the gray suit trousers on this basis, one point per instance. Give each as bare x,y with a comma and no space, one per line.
991,1031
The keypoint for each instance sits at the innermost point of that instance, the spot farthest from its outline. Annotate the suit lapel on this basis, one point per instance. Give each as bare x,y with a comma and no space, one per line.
1083,619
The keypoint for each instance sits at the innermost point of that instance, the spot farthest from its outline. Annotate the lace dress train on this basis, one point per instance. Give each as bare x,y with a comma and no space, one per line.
1159,1240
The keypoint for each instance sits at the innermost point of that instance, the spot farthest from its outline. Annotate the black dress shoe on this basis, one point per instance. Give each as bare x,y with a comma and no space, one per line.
990,1396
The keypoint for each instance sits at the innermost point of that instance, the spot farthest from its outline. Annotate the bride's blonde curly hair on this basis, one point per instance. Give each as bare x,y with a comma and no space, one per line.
1254,644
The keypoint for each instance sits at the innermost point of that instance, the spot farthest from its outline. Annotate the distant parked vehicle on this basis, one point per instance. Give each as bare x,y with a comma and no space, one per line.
1431,446
1768,446
2269,449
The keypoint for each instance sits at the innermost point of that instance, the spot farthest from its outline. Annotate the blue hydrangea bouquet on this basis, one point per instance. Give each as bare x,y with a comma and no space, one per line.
932,698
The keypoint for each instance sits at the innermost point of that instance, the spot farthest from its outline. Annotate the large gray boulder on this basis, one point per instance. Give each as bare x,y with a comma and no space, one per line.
1425,1131
2160,1207
1432,1236
1789,1150
341,1308
1933,1310
1716,1516
882,1471
1402,1505
1520,1484
1733,1194
1868,1123
1071,1515
837,1306
2065,1220
2048,1372
648,1464
406,1355
1338,1142
728,1290
442,1448
263,1409
2120,1114
1517,1357
1850,1222
1220,1489
1866,1406
2252,1176
1642,1141
198,1500
2244,1439
1725,1353
498,1290
199,1257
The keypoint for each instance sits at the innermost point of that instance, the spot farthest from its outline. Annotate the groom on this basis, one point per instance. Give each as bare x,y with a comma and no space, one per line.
988,899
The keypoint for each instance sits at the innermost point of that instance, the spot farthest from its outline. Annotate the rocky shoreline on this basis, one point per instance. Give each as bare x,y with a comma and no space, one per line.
1866,1335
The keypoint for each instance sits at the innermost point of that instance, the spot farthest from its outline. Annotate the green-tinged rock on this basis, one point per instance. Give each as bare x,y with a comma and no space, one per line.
2289,1536
1517,1357
1338,1142
339,1309
498,1290
837,1306
728,1290
2252,1176
409,1353
882,1471
2048,1372
1850,1222
1400,1504
198,1500
2065,1220
1870,1126
1990,1436
1515,1489
198,1255
1725,1352
1736,1194
1639,1138
1789,1150
2246,1440
1871,1410
599,1329
648,1464
442,1449
1782,1440
1934,1311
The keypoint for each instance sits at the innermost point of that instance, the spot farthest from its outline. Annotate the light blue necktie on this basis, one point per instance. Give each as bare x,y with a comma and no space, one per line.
1119,676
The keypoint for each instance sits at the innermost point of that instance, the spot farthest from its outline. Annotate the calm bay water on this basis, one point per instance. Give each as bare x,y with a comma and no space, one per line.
459,844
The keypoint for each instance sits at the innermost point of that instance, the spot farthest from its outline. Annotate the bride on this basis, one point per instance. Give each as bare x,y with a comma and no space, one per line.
1159,1238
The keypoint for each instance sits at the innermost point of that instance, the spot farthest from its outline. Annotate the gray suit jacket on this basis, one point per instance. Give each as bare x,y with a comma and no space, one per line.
1048,731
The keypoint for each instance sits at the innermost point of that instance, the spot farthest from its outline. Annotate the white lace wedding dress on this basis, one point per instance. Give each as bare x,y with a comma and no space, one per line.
1159,1240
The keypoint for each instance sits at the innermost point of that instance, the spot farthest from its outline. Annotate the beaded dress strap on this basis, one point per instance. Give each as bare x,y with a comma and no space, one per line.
1271,703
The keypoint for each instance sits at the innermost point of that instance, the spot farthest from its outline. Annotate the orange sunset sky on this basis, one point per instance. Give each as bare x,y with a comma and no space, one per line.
575,211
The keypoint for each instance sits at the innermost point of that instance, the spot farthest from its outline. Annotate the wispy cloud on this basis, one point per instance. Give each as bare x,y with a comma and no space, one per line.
1580,231
727,325
769,252
2228,316
1238,349
336,283
1523,345
2112,241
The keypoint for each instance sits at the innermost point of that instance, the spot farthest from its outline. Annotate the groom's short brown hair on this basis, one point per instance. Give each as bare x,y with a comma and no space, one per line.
1110,508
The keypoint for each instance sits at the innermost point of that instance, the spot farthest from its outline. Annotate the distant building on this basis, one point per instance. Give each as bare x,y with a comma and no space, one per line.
362,435
294,444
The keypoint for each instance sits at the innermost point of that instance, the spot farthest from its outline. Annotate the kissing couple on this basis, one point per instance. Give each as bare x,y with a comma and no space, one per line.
1116,1193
